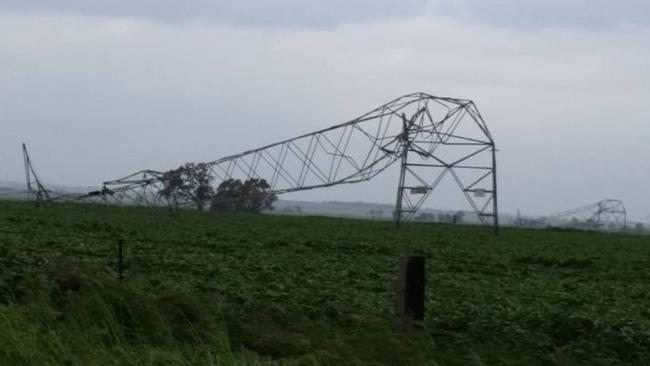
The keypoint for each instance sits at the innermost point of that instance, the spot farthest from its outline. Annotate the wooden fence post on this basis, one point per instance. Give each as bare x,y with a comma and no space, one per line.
120,259
410,286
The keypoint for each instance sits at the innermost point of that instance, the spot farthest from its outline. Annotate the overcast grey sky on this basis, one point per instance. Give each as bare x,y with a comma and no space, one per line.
100,89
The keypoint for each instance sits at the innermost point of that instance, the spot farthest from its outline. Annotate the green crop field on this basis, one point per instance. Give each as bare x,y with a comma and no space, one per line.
208,289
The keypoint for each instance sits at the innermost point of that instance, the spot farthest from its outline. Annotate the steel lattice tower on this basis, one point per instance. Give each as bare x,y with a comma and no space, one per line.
429,137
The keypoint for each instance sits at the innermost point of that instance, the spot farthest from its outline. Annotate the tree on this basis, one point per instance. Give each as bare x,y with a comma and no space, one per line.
252,195
190,182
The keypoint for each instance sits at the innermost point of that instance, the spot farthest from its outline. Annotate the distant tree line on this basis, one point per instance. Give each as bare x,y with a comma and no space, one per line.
289,209
193,183
449,218
378,214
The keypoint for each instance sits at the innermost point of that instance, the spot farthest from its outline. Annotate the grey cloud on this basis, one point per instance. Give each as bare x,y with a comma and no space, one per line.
548,13
328,13
288,13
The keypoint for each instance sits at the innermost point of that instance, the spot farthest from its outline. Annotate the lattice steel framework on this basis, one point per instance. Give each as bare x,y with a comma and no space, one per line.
608,214
430,137
40,194
36,191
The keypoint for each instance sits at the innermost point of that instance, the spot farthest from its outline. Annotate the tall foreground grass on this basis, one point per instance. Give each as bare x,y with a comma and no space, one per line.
82,318
77,314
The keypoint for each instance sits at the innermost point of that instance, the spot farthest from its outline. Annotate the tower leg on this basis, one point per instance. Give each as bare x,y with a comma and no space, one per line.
400,190
402,173
28,179
495,203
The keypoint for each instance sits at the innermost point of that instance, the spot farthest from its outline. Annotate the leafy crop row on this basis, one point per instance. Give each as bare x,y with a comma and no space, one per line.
261,289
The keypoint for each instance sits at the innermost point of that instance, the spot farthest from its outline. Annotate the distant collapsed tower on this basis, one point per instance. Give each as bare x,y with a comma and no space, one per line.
430,137
608,214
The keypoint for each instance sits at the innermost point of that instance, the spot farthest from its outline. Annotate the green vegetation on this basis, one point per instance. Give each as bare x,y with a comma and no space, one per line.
191,183
252,195
241,289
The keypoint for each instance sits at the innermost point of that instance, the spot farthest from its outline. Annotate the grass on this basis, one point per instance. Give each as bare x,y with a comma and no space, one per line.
206,289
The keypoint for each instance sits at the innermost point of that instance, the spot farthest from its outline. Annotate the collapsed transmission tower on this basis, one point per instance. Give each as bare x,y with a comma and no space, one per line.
608,214
429,137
